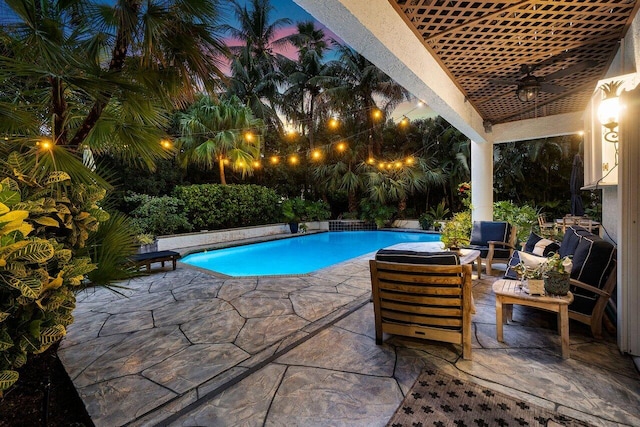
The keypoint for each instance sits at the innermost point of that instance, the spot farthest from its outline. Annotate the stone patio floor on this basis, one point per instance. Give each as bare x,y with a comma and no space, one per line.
187,348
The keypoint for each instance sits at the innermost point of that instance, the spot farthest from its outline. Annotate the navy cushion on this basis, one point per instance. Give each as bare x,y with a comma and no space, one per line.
511,272
593,260
571,239
485,231
540,246
415,257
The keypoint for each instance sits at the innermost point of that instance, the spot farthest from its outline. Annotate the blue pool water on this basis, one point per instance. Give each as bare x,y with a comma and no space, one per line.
300,255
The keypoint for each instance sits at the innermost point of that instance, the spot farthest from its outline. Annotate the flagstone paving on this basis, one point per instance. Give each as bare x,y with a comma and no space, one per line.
185,348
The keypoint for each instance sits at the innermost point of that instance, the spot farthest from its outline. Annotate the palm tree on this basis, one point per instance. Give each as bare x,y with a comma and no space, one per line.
255,73
355,87
103,77
305,77
401,181
216,132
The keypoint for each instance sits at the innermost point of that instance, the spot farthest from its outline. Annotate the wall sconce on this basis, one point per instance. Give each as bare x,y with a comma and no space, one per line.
609,110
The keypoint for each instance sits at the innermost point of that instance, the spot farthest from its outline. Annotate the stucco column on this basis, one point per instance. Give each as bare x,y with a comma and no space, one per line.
482,180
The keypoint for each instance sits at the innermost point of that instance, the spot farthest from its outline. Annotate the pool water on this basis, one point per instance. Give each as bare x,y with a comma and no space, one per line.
300,255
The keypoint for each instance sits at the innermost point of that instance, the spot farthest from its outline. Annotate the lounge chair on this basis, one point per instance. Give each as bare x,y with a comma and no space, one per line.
422,298
495,240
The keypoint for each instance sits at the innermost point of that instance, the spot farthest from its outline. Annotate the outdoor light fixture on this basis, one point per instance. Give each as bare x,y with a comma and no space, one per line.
528,90
609,110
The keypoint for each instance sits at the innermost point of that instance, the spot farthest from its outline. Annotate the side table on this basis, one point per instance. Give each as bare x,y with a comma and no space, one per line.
508,293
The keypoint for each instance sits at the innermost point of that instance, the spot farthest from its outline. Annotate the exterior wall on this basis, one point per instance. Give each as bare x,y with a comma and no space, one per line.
610,214
187,240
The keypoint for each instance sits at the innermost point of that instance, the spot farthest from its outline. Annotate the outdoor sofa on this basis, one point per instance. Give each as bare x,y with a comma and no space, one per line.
593,273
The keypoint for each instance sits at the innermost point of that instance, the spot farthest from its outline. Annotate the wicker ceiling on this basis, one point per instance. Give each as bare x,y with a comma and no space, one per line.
478,41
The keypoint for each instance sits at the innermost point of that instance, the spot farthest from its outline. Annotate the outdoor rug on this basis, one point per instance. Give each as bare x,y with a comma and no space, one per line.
440,400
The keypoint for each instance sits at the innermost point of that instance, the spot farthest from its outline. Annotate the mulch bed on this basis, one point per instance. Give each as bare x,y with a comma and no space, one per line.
26,404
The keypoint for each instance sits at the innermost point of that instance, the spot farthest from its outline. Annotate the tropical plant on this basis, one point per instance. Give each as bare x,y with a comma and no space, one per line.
355,86
77,76
297,209
305,78
524,217
457,232
216,132
382,215
38,269
255,73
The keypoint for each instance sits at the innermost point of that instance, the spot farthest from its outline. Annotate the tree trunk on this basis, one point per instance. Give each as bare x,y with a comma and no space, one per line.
118,56
223,181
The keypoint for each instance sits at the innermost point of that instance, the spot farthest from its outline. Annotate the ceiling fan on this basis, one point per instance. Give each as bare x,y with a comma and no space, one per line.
529,85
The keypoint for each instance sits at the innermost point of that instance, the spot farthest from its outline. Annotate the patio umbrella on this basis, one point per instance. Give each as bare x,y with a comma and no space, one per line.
576,182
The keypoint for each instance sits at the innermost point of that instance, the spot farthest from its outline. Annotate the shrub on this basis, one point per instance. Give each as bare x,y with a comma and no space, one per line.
457,231
382,215
297,209
158,215
523,217
214,207
42,227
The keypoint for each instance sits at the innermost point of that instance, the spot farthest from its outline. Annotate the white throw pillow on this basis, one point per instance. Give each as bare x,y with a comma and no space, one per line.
541,245
531,261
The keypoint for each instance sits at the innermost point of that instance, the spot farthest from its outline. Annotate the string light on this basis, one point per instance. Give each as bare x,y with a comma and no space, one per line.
410,160
248,136
333,123
275,160
166,143
256,164
371,160
316,154
377,114
341,146
293,159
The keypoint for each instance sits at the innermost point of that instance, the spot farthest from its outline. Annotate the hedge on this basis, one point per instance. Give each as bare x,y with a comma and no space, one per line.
215,207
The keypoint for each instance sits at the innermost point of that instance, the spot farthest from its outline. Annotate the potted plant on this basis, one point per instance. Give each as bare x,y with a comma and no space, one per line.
556,275
551,275
293,210
456,233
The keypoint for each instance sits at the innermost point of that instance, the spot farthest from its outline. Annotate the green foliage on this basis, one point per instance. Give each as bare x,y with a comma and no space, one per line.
38,269
215,207
426,221
297,209
457,231
158,215
522,217
110,248
434,215
382,215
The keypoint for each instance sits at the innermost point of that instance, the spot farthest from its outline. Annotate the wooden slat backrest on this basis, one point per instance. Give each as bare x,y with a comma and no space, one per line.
428,301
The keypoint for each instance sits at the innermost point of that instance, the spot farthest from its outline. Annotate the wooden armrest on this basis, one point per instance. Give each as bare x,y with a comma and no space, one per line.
589,288
505,244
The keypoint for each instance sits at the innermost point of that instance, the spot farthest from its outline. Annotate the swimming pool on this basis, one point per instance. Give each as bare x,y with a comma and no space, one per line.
300,255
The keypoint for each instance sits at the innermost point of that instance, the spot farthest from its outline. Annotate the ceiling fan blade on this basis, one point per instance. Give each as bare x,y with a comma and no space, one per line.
547,87
503,82
576,68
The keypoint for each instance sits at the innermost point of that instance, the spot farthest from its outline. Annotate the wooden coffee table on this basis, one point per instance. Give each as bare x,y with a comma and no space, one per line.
508,293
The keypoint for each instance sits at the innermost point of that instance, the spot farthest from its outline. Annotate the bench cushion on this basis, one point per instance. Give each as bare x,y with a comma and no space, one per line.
415,257
155,255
